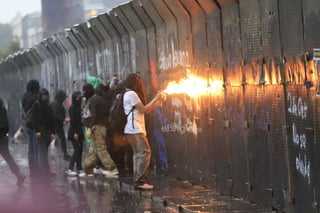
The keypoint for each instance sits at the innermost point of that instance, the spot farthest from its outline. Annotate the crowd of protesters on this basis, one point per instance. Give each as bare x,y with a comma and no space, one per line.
87,119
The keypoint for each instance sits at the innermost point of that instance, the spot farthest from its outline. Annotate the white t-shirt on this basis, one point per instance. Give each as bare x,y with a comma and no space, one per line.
131,99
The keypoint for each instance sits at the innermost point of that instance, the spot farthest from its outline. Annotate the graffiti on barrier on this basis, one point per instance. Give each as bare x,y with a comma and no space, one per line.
298,109
297,106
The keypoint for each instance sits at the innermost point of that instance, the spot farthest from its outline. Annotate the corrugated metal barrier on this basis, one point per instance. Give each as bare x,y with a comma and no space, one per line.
258,139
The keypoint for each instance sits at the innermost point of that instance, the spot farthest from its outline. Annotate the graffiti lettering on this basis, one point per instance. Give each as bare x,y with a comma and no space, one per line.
300,140
173,60
297,107
181,129
303,166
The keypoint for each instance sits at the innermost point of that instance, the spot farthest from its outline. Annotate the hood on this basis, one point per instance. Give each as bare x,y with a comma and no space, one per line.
33,86
76,97
43,95
88,90
60,96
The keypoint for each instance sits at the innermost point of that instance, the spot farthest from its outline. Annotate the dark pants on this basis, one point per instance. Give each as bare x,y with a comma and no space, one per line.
77,155
4,151
32,151
62,139
43,145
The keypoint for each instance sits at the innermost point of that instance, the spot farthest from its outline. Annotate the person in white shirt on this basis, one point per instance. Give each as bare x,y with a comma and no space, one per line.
135,106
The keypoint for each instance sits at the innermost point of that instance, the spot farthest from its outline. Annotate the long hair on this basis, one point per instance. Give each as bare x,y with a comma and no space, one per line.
134,82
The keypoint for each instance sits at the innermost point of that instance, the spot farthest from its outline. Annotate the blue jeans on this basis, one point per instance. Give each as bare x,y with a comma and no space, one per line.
32,151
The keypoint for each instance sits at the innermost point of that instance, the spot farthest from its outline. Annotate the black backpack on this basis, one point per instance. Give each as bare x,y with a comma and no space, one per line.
118,118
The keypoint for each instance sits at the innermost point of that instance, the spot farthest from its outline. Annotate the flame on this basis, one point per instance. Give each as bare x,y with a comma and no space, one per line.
194,86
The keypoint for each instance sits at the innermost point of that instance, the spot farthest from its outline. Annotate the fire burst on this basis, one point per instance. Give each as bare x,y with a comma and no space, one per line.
194,86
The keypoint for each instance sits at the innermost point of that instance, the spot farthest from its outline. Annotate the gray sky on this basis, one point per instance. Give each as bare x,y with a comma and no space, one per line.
9,8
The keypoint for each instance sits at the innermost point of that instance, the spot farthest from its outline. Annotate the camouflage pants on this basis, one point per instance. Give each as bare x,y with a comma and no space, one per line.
98,150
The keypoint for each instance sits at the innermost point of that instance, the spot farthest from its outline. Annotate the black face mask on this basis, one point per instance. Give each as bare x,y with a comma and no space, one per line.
44,97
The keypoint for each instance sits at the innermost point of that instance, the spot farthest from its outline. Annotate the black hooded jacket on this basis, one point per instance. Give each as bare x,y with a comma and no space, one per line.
75,117
29,98
43,116
59,112
4,123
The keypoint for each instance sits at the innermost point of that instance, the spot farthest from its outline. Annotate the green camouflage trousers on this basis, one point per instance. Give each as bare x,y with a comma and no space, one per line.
98,150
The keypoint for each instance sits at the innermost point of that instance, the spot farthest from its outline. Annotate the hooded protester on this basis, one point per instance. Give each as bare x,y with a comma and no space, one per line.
44,128
29,100
75,134
88,92
59,115
4,147
98,148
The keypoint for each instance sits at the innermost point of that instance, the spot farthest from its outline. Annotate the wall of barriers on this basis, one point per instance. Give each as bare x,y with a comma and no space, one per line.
258,138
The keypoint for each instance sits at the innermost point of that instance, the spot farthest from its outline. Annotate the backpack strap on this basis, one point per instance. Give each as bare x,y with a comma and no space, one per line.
131,111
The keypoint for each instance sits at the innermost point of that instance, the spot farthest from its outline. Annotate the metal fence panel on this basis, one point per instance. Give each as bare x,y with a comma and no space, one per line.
291,28
232,44
270,35
250,29
311,21
300,144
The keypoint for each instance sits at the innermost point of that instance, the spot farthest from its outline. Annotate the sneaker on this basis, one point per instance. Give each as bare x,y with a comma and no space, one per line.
85,175
111,173
71,173
145,186
98,171
81,172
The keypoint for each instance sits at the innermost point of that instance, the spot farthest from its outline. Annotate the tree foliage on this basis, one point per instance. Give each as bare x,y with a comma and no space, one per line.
13,46
8,45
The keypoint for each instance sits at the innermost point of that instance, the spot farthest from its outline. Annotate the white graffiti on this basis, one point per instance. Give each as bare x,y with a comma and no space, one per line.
303,166
299,139
297,106
173,60
181,129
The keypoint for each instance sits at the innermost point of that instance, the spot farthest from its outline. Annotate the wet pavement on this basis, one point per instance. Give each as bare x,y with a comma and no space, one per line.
99,194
